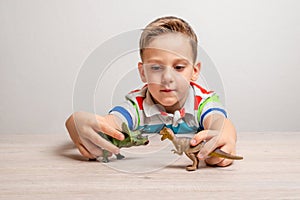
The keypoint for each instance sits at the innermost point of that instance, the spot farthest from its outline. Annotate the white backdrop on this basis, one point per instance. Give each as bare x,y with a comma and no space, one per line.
43,44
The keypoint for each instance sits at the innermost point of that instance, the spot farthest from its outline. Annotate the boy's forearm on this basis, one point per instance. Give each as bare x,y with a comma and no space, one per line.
222,124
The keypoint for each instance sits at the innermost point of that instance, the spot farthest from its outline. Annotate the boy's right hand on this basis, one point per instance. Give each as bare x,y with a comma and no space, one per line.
83,128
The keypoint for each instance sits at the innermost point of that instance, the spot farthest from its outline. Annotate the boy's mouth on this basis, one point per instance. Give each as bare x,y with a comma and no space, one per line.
167,90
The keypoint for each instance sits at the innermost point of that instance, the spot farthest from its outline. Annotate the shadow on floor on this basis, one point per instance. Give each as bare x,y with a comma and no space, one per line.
68,150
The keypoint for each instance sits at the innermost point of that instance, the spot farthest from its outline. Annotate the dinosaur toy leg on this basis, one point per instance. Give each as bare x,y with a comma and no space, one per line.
105,156
120,156
195,160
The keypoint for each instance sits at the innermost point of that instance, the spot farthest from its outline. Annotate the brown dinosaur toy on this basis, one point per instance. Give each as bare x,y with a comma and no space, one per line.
182,145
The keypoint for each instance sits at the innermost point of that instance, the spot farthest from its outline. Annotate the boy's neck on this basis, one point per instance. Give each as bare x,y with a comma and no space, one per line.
173,108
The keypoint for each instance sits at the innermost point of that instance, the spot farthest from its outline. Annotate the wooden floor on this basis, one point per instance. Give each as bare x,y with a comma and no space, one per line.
48,167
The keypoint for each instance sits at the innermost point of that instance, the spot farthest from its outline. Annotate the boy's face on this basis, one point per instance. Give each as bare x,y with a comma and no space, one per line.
168,68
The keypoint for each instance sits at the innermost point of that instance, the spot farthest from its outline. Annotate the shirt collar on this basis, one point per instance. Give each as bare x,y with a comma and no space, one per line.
151,109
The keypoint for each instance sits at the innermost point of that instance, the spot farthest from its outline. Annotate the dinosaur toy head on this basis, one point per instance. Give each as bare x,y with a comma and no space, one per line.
132,138
166,133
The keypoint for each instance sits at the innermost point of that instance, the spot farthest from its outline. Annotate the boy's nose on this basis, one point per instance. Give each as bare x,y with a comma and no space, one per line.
167,76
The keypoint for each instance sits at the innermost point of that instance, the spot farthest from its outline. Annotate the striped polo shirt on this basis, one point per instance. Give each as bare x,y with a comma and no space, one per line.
141,113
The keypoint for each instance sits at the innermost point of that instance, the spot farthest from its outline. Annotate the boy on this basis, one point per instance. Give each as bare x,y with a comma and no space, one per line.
168,50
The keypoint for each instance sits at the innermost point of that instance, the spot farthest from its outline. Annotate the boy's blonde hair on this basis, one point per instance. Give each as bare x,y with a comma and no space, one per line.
165,25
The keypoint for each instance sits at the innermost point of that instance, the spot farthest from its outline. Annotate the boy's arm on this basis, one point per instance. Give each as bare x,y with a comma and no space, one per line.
219,133
83,129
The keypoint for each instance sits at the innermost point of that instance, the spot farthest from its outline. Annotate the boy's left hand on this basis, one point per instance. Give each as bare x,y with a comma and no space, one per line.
225,139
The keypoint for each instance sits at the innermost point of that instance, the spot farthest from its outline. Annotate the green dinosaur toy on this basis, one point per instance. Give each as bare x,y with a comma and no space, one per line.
132,138
182,145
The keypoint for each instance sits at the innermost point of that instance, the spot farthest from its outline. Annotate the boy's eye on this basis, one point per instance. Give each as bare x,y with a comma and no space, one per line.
179,67
155,67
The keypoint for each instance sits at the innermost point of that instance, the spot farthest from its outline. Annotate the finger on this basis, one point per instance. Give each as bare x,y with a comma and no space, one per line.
85,152
203,135
220,161
93,149
96,139
214,160
107,129
208,147
225,163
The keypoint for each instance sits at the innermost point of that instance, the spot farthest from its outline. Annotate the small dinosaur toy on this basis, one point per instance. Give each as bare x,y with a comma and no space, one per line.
132,138
182,145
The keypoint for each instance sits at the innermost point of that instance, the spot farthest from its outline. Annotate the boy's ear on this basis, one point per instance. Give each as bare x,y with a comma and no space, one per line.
196,71
142,72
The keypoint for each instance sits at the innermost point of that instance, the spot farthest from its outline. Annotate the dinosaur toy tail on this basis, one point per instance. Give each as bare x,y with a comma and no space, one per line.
222,154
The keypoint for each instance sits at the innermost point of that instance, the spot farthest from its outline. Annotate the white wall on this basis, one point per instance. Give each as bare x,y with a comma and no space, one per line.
43,44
